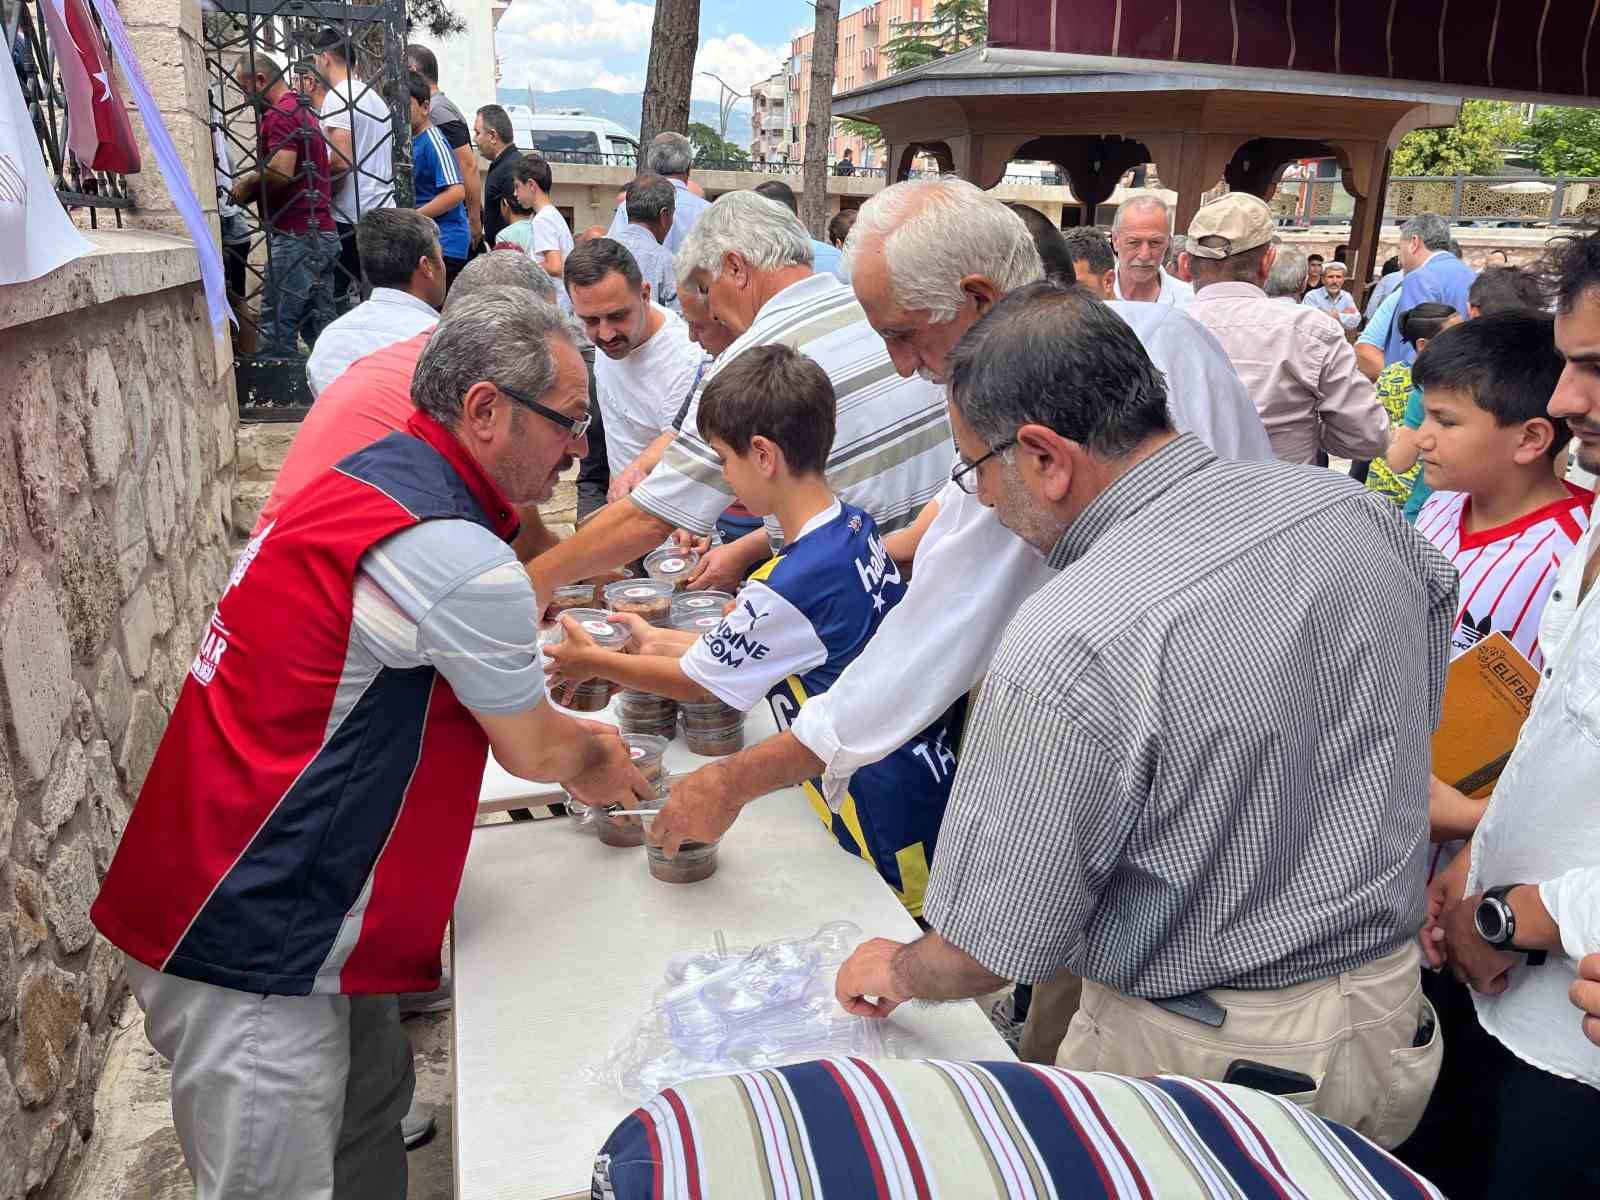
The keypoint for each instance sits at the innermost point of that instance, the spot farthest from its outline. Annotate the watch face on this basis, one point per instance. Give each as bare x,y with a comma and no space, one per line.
1489,917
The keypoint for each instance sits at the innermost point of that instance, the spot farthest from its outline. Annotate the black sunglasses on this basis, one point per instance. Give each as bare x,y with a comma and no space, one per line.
576,427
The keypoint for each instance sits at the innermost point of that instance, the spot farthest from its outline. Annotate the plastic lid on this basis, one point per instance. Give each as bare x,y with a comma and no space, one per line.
670,561
593,622
637,589
575,589
697,602
696,622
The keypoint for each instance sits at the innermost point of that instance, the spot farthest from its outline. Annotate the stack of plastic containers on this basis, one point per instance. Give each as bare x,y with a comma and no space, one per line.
711,728
647,753
642,712
595,694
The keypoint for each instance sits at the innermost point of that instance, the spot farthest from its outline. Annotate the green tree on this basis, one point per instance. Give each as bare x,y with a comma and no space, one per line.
709,147
865,130
435,16
1474,145
955,25
1564,141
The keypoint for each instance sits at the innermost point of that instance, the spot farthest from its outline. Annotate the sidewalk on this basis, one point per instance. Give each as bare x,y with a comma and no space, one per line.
134,1153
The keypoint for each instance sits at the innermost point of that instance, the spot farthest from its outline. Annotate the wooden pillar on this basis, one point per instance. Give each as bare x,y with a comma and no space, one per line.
1191,164
1366,177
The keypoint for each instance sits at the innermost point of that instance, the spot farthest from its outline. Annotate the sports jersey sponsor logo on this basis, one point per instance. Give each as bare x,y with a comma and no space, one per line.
209,657
732,649
246,557
877,573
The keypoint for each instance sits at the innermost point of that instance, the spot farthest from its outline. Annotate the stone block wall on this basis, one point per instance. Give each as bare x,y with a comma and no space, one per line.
117,449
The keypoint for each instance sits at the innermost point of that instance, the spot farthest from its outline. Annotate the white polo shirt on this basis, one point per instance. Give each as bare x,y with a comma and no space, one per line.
357,106
1173,291
641,394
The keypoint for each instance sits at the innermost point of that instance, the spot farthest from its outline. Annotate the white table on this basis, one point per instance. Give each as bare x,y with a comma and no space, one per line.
560,943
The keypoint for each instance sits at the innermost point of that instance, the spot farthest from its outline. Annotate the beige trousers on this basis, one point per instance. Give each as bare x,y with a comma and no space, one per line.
1050,1012
1351,1033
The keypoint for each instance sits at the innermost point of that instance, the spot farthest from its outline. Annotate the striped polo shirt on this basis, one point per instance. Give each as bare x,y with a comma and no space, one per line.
1507,572
892,450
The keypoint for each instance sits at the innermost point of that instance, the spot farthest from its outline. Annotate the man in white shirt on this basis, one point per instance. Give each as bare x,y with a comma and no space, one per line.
1141,232
970,574
360,133
550,241
670,155
647,363
1518,1100
401,256
1332,299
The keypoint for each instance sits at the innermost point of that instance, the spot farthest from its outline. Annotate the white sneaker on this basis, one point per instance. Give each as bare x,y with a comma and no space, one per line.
417,1125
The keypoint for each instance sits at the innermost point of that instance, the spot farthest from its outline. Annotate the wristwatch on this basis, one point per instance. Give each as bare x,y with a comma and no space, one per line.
1497,923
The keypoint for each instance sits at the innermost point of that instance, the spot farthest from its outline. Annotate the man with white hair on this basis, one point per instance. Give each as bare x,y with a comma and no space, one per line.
670,155
749,258
928,259
1141,234
1332,299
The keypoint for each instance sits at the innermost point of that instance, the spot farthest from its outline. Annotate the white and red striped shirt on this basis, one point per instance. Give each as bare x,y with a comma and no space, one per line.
1508,572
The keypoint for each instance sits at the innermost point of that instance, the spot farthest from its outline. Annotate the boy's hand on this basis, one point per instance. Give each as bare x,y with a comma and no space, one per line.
645,638
571,661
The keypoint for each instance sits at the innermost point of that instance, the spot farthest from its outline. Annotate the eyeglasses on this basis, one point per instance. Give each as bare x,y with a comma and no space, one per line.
965,474
576,427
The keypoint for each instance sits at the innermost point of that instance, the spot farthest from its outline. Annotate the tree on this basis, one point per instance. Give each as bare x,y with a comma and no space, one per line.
819,120
955,25
709,146
865,130
1564,141
435,16
1474,145
669,74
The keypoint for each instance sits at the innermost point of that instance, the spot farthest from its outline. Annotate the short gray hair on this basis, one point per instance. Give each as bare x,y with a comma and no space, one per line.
1288,275
762,232
499,334
669,154
1141,200
648,196
935,232
1433,229
501,269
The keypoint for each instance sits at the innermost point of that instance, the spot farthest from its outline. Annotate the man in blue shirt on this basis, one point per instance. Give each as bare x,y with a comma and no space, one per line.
825,258
440,192
1432,273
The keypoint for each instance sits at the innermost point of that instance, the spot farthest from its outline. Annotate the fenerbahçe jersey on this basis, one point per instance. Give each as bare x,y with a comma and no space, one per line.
800,620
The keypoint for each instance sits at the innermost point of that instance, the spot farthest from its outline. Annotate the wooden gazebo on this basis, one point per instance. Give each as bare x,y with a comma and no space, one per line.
1221,90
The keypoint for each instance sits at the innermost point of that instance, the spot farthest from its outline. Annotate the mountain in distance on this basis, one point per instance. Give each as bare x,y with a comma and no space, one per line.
623,109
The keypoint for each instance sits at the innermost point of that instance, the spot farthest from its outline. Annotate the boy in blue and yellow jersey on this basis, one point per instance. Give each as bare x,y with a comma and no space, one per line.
801,618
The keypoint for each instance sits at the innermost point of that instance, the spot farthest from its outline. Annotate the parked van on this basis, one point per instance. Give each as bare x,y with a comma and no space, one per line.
573,136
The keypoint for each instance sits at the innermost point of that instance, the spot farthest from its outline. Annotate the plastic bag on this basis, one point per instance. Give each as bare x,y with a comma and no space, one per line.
725,1010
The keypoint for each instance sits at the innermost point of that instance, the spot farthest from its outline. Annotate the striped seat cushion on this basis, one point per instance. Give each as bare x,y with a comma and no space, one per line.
853,1129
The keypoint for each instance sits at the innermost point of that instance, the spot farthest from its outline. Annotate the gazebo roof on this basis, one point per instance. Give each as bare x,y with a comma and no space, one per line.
998,71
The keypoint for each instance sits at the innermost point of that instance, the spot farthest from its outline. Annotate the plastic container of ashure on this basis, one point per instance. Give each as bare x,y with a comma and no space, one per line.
647,753
646,713
671,564
647,598
712,729
694,861
594,694
698,604
574,595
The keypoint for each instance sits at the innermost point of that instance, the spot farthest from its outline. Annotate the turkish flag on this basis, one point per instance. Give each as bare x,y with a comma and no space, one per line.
98,131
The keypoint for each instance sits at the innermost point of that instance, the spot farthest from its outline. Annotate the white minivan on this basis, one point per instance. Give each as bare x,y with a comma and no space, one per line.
572,136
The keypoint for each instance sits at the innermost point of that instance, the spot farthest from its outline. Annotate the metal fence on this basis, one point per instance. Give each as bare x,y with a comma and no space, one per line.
288,239
39,73
1484,201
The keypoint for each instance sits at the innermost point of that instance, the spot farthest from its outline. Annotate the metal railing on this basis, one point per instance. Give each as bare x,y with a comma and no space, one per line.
1488,201
39,73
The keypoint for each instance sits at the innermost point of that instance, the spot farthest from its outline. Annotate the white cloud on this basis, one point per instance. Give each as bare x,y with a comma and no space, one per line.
560,74
738,60
543,27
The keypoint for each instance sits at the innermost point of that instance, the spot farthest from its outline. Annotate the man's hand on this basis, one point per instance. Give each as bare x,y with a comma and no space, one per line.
869,972
1446,887
698,810
1472,960
475,224
611,778
720,570
1585,996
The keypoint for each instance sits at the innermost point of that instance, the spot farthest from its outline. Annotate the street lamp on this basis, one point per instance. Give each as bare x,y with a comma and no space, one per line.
728,97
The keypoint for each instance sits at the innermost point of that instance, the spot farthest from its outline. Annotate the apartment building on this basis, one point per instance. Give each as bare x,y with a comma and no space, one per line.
769,124
860,61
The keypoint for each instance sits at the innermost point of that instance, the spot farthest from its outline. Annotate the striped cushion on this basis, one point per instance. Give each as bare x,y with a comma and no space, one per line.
845,1127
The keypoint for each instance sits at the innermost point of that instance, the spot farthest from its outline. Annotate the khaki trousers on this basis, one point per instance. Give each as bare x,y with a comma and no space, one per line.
1351,1033
1049,1014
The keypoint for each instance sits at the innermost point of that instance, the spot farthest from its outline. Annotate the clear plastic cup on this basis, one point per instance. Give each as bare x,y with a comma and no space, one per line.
698,604
699,623
647,753
670,564
595,694
648,598
694,861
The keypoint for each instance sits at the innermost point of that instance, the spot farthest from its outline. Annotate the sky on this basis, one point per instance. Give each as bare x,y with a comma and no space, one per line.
553,45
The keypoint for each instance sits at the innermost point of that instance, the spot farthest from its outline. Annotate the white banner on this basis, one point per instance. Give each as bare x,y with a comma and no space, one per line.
36,235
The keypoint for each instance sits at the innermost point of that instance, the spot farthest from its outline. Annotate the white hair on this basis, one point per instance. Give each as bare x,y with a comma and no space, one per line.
936,232
1141,200
762,232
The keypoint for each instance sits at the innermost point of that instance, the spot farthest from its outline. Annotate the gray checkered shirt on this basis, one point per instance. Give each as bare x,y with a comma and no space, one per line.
1200,757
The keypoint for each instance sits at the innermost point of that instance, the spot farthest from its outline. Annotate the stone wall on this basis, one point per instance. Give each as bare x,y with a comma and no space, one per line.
116,476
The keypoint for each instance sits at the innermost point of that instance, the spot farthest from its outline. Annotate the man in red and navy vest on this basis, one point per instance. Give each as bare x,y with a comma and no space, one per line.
296,848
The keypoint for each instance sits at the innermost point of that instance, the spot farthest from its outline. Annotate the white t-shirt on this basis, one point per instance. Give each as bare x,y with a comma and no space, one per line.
547,230
641,394
356,105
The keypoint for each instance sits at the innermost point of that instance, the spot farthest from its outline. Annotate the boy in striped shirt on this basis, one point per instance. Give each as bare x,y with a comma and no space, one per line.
1488,449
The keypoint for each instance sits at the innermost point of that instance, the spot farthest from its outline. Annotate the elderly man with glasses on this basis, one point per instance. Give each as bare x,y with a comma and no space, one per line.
294,853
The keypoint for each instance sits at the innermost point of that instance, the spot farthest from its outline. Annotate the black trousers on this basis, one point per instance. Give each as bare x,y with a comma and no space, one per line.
594,471
347,275
452,268
1497,1127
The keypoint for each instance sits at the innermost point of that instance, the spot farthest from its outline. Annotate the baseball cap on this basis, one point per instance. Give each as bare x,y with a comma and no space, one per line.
1241,220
